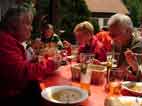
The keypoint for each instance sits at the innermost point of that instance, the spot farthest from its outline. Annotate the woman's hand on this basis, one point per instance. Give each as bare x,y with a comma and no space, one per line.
131,60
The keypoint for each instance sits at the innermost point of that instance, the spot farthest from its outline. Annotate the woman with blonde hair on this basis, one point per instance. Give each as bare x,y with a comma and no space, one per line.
84,33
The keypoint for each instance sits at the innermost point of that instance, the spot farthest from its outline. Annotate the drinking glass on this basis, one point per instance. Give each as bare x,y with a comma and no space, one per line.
85,77
86,58
114,58
75,70
114,88
98,74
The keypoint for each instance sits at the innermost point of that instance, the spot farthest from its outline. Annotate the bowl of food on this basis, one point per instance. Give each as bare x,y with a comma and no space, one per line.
131,88
64,94
75,70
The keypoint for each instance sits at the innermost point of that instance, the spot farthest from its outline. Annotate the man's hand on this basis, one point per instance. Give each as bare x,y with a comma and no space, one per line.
131,59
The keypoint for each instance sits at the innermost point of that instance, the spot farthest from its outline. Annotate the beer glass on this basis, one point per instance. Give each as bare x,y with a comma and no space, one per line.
85,77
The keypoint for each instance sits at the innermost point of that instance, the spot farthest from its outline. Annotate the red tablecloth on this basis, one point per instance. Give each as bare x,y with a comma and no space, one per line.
63,77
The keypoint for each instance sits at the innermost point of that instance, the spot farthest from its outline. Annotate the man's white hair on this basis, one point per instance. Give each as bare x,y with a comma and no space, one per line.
13,15
120,19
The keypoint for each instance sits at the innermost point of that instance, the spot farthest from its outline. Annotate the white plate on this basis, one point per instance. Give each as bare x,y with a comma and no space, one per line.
47,94
130,98
126,86
123,101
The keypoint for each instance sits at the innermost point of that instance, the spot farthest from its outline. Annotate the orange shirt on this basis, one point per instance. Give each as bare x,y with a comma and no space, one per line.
105,38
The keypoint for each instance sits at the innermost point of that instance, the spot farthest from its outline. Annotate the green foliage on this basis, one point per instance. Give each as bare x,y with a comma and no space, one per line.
135,9
96,26
72,12
43,6
28,4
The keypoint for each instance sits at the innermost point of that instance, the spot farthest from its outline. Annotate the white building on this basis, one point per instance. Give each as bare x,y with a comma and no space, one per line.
103,9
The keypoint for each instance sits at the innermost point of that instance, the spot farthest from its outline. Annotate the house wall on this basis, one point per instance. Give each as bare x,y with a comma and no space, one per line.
101,18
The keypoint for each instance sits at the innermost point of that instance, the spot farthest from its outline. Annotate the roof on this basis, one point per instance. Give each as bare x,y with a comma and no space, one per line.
107,6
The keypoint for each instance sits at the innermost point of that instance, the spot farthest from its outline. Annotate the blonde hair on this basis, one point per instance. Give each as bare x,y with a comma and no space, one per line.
84,26
120,19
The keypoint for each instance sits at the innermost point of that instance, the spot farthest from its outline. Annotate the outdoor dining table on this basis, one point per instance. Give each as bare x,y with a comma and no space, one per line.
63,77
